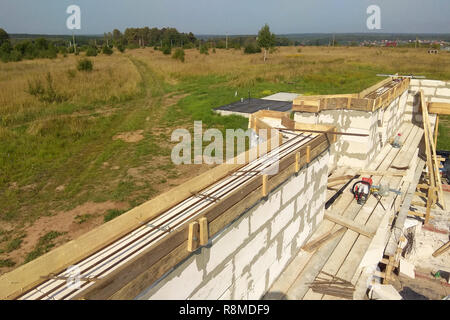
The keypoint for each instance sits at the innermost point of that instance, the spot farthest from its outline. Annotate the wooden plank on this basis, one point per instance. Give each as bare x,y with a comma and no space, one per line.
204,234
442,249
193,236
350,224
308,154
265,184
317,243
434,156
382,173
297,162
439,108
436,133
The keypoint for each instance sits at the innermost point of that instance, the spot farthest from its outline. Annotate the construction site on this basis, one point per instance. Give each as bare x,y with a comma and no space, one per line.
358,209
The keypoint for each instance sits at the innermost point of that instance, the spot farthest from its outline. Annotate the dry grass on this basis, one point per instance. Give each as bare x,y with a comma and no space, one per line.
287,63
113,78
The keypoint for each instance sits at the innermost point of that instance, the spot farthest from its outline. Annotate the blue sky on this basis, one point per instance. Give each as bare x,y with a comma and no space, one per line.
226,16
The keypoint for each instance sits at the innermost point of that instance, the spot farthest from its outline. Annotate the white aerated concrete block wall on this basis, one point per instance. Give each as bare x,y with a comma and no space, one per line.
357,151
434,91
245,259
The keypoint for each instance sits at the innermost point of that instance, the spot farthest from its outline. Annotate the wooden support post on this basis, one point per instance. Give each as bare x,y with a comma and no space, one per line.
193,236
349,103
204,233
308,154
389,268
297,162
436,130
265,185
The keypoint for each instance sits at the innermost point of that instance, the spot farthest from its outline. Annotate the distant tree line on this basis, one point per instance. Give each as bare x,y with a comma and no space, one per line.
32,48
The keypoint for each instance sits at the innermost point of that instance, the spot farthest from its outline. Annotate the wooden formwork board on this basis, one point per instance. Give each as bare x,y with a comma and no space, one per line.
359,102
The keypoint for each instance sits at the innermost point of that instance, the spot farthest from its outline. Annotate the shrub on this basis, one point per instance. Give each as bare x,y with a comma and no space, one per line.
85,65
179,55
252,48
166,49
107,50
121,48
49,94
204,50
91,52
71,73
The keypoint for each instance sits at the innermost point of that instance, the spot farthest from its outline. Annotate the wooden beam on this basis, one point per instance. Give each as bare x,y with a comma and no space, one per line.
308,154
297,162
315,244
350,224
442,249
193,236
204,234
439,108
265,185
382,173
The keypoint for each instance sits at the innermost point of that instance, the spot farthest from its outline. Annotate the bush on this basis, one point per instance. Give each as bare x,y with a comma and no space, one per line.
49,94
121,48
204,50
85,65
166,50
107,50
179,55
91,52
252,48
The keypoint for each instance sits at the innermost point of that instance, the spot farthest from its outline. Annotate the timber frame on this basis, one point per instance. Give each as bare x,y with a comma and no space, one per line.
131,278
366,100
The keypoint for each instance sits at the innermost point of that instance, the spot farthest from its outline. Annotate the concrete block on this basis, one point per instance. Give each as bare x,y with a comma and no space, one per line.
241,286
291,231
226,243
306,117
432,83
181,284
217,286
250,251
258,289
384,292
414,82
429,91
406,269
443,92
281,220
263,262
278,266
443,100
292,188
265,211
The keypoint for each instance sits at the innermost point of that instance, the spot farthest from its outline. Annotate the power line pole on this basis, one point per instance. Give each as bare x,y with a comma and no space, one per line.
226,41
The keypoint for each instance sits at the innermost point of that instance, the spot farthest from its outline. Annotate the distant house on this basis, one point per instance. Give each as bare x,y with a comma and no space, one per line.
391,44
